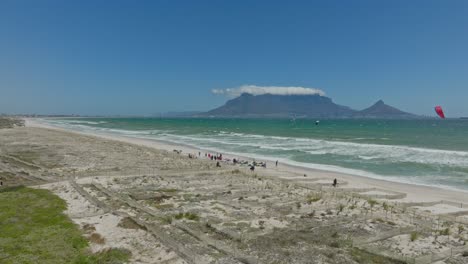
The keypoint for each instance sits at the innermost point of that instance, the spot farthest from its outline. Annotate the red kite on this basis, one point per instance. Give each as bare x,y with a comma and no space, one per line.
439,111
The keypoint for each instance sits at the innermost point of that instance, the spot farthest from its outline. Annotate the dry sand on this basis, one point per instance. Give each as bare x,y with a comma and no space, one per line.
185,210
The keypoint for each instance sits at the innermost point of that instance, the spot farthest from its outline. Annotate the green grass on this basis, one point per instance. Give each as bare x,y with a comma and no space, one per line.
111,256
188,216
445,232
363,257
33,229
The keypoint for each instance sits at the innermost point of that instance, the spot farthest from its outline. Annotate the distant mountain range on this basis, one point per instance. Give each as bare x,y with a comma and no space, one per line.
308,106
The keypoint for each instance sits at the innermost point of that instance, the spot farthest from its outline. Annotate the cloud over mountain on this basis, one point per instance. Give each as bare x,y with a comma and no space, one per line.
275,90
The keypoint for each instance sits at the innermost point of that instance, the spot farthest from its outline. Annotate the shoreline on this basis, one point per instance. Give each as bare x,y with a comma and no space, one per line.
414,192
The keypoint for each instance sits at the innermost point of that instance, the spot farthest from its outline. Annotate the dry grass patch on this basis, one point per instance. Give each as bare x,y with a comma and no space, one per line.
97,239
89,228
129,223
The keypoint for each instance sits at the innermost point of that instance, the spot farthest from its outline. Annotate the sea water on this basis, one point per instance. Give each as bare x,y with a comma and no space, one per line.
427,151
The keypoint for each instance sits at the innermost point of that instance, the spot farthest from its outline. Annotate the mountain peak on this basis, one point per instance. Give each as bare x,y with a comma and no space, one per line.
380,109
380,102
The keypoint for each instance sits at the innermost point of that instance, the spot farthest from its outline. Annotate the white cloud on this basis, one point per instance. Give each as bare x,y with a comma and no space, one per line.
277,90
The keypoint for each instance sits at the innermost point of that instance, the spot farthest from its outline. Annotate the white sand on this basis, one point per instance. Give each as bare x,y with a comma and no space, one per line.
376,193
145,247
442,209
415,193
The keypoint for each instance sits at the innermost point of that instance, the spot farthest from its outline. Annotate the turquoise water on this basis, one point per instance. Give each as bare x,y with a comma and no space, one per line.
429,152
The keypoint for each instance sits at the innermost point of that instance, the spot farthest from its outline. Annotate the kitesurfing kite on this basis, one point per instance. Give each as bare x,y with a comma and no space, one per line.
439,111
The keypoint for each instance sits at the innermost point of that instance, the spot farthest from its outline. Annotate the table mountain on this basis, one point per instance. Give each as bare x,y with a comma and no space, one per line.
311,106
268,105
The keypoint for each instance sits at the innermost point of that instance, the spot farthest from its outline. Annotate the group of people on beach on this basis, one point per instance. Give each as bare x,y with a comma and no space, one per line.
219,157
214,157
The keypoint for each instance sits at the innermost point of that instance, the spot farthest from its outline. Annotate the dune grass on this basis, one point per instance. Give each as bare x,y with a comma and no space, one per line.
363,257
34,229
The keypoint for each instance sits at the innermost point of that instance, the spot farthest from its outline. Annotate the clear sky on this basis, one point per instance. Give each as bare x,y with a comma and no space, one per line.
145,57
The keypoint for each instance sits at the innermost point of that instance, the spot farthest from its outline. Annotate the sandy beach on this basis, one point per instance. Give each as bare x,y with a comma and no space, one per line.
165,207
414,193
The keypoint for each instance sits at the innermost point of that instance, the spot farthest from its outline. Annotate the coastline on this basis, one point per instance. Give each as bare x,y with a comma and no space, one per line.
414,193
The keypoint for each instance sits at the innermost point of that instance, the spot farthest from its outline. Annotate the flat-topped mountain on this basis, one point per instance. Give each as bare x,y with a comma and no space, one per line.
382,110
268,105
312,106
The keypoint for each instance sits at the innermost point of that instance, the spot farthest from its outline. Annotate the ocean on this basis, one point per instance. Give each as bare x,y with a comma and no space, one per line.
430,152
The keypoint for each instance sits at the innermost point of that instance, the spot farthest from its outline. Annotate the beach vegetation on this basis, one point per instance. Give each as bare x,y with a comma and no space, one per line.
298,205
446,224
164,206
372,202
386,208
168,190
334,244
261,224
414,236
364,257
26,156
188,216
166,219
461,228
97,239
445,232
312,214
129,223
107,256
34,229
341,207
7,122
313,197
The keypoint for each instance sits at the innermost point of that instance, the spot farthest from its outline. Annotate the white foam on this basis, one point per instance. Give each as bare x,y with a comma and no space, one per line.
363,151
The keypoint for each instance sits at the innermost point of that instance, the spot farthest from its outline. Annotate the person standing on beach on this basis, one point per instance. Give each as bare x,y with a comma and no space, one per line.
335,182
276,164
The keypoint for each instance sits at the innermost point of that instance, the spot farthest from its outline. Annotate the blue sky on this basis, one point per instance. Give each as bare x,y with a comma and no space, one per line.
144,57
